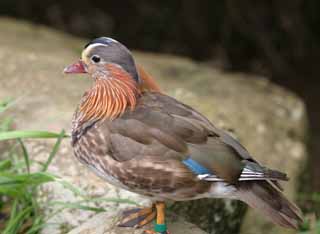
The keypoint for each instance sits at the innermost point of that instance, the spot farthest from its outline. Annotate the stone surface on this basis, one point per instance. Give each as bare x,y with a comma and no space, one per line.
106,223
267,119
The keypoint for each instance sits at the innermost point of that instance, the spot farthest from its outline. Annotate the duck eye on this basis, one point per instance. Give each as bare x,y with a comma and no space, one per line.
95,58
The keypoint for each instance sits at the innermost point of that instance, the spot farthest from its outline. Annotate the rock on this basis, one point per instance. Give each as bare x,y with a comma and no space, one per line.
268,120
106,223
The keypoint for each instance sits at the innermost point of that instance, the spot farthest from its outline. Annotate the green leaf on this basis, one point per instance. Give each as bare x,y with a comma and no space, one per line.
15,185
4,105
9,135
16,222
14,209
54,150
5,164
115,200
36,227
72,188
25,155
76,205
6,124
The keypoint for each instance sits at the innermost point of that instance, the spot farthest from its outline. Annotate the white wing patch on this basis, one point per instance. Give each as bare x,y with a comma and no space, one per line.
247,174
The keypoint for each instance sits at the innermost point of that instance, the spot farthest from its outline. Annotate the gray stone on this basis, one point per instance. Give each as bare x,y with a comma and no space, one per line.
267,119
106,223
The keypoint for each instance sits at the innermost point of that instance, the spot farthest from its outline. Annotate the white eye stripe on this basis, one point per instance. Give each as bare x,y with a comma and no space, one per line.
110,39
95,45
106,39
87,50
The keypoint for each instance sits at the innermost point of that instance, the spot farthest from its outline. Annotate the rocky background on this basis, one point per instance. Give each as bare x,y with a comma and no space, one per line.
279,40
269,120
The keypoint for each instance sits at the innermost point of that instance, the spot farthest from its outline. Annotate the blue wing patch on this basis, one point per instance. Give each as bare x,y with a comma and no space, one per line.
195,167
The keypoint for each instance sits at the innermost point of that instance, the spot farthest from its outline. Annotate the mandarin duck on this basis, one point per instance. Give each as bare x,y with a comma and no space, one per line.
135,137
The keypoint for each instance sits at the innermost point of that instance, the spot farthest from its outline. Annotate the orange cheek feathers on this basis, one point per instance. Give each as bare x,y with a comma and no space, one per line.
110,97
148,83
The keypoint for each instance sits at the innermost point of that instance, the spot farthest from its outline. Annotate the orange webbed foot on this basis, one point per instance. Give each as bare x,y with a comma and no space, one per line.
137,217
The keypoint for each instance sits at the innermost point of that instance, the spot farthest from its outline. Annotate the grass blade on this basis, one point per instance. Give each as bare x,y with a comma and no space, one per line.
54,150
13,184
6,124
76,205
16,222
25,155
14,209
5,164
4,105
74,189
36,227
9,135
115,200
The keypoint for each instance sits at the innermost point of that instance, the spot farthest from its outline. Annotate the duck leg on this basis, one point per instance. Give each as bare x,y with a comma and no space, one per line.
160,226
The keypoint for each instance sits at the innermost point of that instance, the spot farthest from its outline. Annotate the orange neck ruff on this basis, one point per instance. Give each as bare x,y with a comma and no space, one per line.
148,83
110,96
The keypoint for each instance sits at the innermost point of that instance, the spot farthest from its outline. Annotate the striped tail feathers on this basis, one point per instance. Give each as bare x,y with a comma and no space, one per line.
268,200
253,171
